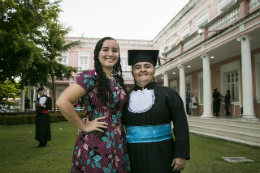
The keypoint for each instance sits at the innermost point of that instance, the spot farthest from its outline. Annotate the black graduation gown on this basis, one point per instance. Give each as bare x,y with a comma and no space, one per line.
157,157
216,102
42,123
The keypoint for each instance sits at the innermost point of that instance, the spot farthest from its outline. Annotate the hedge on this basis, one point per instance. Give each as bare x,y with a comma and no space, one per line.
30,119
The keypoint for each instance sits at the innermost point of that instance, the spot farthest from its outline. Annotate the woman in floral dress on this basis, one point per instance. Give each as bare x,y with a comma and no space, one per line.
101,145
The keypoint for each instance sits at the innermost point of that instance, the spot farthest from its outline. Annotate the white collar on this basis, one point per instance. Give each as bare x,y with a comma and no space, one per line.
141,101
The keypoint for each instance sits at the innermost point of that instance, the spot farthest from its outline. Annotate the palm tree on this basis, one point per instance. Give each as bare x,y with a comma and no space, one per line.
54,44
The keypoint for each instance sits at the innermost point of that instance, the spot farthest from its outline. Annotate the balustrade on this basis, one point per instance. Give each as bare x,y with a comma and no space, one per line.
192,42
253,4
224,21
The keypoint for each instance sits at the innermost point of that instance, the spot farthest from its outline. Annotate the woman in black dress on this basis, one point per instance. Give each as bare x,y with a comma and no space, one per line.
151,110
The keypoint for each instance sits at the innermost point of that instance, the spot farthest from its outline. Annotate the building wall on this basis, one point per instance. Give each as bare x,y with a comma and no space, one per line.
190,18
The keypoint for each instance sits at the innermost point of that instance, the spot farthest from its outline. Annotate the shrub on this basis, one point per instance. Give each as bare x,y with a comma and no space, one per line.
30,119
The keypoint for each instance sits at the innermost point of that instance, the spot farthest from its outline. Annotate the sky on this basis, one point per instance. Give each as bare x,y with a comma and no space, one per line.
120,19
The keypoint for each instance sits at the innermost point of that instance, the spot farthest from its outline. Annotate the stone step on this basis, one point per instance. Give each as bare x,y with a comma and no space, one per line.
225,121
233,126
225,138
249,137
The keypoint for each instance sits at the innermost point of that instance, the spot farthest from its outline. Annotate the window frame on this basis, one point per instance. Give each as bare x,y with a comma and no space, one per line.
85,53
228,68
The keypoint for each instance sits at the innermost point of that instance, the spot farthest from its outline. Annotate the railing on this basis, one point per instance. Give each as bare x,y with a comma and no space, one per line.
253,4
192,42
174,53
224,21
78,109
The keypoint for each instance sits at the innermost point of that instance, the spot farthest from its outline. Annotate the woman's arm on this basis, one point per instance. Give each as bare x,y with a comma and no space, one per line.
65,104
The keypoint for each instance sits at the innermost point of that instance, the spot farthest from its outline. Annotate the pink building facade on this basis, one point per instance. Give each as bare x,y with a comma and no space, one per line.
208,44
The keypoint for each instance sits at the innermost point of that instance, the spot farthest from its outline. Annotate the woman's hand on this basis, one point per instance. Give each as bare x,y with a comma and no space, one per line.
95,125
179,164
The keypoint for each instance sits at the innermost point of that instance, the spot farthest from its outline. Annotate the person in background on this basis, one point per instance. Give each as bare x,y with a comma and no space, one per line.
194,105
227,102
187,103
216,102
42,123
148,118
27,104
101,144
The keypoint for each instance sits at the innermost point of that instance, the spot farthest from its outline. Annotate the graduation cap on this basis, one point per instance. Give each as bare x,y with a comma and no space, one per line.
40,89
135,56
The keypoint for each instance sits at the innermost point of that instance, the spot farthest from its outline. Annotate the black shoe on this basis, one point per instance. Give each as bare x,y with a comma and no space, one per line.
40,145
44,144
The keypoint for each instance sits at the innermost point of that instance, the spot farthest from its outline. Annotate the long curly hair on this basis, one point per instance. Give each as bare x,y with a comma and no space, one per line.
103,83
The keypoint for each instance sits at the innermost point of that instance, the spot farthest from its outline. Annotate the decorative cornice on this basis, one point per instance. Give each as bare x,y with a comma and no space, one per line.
244,37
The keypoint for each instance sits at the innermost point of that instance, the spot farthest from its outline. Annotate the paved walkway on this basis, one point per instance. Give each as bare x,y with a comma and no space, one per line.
220,117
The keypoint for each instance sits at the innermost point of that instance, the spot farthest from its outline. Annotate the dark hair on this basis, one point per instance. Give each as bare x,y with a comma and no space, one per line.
40,89
228,91
102,80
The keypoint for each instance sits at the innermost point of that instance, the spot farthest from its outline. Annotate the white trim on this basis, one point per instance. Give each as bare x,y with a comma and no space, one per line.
85,53
172,42
124,64
223,5
161,49
226,68
202,18
257,77
185,31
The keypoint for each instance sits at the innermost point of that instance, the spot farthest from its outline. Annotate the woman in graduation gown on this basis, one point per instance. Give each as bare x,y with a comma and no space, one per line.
151,110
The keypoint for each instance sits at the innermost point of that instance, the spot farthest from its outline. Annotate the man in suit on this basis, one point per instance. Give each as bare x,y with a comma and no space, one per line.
227,102
43,130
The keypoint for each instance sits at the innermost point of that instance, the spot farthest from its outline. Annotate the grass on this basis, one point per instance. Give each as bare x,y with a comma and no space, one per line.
19,154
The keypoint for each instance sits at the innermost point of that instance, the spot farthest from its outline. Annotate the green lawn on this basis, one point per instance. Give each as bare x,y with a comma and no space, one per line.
18,152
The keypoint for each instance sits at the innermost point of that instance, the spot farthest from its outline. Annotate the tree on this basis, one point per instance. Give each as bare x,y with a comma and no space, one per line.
54,46
31,41
21,22
9,90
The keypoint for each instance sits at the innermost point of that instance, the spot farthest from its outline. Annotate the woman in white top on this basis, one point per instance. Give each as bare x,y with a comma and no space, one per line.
194,105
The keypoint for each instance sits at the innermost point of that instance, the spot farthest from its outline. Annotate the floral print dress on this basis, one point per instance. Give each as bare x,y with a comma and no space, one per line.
101,152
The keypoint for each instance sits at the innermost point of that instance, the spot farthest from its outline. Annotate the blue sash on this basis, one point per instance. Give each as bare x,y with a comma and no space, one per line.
151,133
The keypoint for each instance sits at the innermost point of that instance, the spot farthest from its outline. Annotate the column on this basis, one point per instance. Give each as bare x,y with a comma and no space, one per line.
182,85
22,99
47,92
30,94
247,82
34,97
206,87
165,79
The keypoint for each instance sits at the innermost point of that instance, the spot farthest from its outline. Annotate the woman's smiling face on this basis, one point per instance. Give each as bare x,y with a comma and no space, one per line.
109,54
143,73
